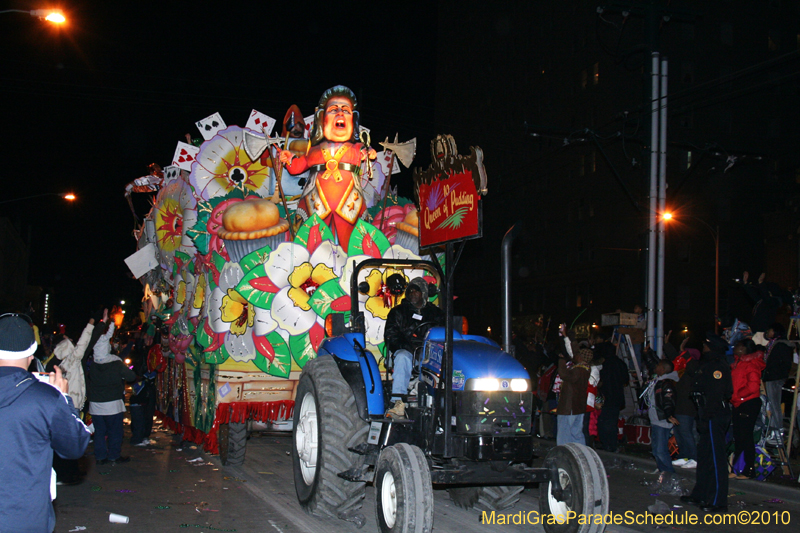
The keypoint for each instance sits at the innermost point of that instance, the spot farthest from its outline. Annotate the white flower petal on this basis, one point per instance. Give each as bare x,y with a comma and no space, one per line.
398,252
290,317
347,272
230,276
375,327
264,323
241,347
215,312
283,260
331,254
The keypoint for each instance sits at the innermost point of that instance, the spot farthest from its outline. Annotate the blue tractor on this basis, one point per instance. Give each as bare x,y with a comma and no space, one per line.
468,429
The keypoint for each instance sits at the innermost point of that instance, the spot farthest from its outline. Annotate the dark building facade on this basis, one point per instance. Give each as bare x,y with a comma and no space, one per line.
557,95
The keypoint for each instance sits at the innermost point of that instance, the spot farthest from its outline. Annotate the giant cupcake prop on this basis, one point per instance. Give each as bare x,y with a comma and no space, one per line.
252,224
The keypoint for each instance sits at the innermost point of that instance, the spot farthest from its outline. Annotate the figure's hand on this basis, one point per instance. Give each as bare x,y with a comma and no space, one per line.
761,277
368,153
58,380
674,420
91,321
285,156
745,276
683,343
666,339
105,314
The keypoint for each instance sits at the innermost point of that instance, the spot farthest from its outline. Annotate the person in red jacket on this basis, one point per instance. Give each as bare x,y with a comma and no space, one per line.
746,401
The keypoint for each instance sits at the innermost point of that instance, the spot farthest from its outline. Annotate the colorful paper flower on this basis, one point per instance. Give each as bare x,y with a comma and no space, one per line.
222,166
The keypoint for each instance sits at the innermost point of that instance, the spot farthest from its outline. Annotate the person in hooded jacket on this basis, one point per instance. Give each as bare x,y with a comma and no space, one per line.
685,411
107,375
711,392
746,401
405,331
776,372
69,356
36,419
660,398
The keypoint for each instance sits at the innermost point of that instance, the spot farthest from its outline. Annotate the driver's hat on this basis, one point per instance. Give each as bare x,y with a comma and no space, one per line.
418,284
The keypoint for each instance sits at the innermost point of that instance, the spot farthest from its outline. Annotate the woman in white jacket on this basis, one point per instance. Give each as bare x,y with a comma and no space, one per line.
70,356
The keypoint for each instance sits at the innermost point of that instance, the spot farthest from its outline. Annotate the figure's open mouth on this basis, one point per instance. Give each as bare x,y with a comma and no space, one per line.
339,123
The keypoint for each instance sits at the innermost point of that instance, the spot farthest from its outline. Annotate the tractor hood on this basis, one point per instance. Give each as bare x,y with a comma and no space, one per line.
474,357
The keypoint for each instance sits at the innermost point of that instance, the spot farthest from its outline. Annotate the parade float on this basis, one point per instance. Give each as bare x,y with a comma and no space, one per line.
242,259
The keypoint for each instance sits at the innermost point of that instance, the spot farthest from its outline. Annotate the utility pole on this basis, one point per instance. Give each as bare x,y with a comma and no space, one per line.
654,13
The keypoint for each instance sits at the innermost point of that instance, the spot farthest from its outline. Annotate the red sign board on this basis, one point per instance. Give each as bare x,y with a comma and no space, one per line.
448,210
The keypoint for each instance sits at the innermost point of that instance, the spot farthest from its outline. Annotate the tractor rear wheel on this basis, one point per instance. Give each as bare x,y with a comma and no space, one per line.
232,443
326,425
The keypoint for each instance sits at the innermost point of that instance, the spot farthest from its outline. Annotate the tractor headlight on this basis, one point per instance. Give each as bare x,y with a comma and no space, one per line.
519,385
485,384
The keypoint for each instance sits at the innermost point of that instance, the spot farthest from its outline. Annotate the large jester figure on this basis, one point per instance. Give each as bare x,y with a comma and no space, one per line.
333,191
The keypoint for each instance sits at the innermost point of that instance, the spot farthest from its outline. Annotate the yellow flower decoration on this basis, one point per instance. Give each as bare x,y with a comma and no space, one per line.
380,302
305,279
200,292
180,295
238,312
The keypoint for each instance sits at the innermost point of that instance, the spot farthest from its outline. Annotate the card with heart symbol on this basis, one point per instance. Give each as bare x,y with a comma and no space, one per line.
185,154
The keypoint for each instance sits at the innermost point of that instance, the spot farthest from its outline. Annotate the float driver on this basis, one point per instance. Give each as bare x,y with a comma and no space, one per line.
405,331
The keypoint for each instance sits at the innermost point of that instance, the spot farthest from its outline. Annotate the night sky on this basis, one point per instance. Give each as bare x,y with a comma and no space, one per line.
86,107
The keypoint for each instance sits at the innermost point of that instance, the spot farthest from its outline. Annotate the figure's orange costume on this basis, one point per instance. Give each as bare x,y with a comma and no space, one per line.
333,193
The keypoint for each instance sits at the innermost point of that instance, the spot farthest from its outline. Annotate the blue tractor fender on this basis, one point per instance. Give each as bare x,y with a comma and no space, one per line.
359,369
473,357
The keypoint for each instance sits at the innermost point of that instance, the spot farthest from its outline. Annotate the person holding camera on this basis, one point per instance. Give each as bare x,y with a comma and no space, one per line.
37,418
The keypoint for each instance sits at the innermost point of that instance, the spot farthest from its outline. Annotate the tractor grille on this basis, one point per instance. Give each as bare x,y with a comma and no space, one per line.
493,413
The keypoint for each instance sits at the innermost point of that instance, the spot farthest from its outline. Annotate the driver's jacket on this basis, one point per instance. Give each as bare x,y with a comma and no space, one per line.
402,324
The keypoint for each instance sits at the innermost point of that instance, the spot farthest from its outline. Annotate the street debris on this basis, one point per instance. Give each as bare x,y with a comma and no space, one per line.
659,508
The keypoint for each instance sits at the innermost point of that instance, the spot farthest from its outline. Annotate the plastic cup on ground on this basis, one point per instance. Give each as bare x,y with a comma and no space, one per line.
118,518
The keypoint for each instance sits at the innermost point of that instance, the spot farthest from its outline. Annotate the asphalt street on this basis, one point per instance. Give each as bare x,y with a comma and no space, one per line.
170,488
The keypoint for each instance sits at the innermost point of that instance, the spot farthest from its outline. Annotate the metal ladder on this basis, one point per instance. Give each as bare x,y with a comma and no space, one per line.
625,352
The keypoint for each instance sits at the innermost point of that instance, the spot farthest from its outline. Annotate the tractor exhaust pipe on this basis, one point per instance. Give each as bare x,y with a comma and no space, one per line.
508,239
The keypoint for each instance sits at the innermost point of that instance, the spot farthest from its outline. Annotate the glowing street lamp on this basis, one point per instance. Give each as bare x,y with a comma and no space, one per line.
54,16
70,197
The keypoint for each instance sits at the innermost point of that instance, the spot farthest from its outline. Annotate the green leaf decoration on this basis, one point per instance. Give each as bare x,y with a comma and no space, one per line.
219,263
199,232
253,259
254,296
182,256
454,220
367,239
302,350
217,357
305,230
324,296
281,365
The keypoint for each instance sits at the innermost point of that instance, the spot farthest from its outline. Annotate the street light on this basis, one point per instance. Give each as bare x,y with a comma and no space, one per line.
70,197
667,216
55,16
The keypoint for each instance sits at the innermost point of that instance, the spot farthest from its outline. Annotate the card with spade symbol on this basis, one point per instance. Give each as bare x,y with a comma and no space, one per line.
171,173
260,122
185,154
210,125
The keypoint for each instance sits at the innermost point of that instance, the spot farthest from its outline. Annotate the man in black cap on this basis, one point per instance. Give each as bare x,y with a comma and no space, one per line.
36,418
405,331
711,393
